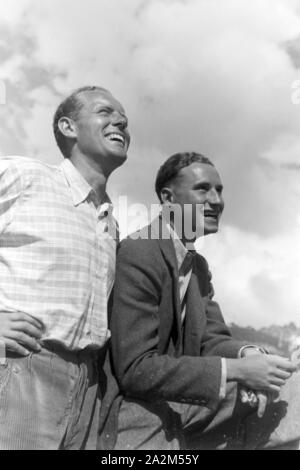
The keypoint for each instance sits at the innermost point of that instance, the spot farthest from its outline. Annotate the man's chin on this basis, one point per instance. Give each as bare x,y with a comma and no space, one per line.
210,230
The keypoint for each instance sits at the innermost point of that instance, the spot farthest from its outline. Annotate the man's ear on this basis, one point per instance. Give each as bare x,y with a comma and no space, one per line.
67,127
167,195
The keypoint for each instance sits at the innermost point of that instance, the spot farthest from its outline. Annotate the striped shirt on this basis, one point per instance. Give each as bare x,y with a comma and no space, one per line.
57,251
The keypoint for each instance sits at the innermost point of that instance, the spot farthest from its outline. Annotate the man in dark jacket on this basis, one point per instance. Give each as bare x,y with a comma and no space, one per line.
183,377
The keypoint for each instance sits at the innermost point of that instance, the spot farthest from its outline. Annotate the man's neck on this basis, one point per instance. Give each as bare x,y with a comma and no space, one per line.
92,173
180,234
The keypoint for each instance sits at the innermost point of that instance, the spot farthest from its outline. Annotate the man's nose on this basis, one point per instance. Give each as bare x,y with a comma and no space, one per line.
119,120
214,197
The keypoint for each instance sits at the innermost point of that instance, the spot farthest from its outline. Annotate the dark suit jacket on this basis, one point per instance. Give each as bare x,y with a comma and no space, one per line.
153,356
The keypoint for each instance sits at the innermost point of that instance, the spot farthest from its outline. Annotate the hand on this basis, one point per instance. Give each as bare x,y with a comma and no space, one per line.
249,397
260,372
295,357
257,400
20,332
263,400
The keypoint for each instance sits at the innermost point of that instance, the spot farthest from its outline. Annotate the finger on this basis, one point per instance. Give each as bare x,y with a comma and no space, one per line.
278,381
19,316
291,367
13,346
262,404
296,365
25,327
283,363
282,374
25,340
295,356
276,357
244,396
274,388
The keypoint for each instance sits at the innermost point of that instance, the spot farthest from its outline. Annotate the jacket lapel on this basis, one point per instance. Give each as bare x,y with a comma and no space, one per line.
161,232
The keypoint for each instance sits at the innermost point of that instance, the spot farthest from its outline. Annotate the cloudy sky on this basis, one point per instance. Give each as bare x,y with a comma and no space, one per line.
214,76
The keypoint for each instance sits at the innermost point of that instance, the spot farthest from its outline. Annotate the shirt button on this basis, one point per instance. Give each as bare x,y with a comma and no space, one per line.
16,369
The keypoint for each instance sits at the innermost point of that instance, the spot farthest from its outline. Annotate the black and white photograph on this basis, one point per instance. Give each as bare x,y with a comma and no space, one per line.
149,227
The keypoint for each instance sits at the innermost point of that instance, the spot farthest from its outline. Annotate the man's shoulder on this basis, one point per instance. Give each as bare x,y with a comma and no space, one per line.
139,241
21,165
26,172
140,244
201,261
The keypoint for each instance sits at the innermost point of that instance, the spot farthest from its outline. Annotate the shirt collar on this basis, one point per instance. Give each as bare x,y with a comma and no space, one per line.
180,249
183,255
79,187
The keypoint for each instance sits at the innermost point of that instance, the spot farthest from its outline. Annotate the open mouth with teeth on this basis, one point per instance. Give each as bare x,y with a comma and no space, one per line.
114,137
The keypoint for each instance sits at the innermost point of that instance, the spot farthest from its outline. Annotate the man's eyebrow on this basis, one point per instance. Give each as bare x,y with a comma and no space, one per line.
208,184
109,107
201,183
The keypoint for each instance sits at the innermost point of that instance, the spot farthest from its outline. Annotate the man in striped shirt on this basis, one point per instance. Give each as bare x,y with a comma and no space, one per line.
57,263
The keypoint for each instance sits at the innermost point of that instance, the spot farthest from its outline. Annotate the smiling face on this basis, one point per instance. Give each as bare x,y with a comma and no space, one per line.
195,184
101,129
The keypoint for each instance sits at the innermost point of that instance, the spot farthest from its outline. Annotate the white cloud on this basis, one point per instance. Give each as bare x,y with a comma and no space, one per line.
285,151
256,283
207,75
13,10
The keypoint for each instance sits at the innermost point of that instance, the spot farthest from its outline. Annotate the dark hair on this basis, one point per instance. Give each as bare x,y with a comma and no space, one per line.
70,107
172,166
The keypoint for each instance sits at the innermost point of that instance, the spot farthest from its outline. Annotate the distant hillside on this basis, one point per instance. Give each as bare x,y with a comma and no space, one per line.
277,339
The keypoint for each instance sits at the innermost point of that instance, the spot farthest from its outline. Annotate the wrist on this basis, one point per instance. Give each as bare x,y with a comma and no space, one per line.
235,368
251,350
